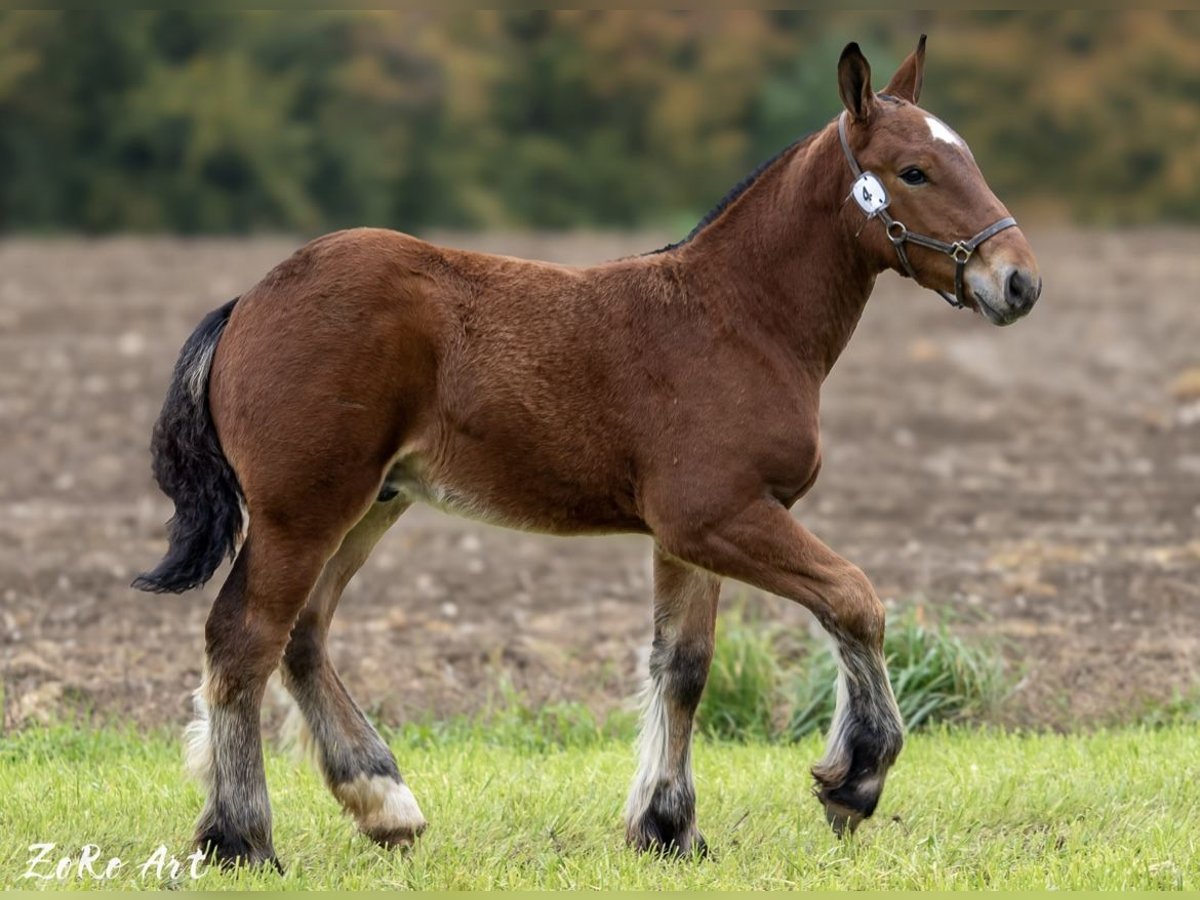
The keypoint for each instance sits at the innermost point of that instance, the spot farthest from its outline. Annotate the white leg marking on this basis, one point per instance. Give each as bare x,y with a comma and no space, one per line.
381,805
198,753
296,737
652,750
877,707
837,749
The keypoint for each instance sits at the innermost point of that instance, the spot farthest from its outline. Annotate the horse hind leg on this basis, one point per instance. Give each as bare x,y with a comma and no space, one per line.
244,638
357,765
290,539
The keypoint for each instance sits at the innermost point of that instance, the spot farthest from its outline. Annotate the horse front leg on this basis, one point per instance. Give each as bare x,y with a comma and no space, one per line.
761,544
661,812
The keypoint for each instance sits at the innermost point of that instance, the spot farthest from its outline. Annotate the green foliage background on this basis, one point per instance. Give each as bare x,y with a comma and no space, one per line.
196,121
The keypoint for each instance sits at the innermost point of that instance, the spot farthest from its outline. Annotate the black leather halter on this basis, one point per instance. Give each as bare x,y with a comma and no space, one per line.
959,251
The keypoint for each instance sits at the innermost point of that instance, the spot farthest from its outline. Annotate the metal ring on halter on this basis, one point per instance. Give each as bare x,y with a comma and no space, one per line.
902,233
960,253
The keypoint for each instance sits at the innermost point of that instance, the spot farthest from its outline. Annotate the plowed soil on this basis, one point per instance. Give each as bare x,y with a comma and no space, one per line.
1042,480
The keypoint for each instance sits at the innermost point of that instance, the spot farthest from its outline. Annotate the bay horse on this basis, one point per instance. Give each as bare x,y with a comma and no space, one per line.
673,394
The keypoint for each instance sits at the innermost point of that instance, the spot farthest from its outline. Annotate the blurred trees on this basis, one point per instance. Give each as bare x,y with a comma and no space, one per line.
197,121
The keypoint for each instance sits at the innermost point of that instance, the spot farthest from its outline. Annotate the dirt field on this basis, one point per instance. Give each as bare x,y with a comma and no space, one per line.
1043,480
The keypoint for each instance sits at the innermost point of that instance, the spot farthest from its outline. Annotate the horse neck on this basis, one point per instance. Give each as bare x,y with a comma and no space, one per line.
783,257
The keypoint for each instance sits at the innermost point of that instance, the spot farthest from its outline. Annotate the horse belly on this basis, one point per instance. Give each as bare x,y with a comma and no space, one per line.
513,497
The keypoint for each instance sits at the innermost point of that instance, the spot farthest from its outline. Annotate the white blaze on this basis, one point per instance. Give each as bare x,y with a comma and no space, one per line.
943,132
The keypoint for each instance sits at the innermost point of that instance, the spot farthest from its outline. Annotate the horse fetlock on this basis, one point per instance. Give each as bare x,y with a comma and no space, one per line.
384,809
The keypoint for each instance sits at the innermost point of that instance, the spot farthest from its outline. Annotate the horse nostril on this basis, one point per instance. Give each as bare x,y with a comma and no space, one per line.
1021,289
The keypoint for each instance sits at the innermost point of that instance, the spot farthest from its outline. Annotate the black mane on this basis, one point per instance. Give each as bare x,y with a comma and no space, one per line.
736,191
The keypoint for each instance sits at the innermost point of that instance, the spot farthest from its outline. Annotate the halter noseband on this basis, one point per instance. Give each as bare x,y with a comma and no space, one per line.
959,251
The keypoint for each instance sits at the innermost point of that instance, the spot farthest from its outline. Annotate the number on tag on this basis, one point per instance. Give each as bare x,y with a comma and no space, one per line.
869,193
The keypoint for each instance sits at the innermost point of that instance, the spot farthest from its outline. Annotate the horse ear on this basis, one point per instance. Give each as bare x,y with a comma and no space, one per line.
854,82
906,83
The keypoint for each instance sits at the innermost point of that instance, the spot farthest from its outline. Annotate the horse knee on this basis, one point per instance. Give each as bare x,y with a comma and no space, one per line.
855,613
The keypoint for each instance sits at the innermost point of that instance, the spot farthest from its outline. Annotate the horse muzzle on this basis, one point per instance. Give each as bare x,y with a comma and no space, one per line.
1004,293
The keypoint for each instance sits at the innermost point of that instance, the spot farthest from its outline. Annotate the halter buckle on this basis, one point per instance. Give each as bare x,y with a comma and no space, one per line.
960,252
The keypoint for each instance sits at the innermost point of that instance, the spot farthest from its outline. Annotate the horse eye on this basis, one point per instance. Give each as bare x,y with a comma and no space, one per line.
913,175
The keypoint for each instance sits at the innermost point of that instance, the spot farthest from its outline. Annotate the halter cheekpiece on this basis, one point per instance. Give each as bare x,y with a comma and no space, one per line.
868,191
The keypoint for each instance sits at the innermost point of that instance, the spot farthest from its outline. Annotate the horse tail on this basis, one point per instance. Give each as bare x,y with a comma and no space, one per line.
192,470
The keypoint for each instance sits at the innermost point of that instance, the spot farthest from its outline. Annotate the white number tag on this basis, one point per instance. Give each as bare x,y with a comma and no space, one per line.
869,193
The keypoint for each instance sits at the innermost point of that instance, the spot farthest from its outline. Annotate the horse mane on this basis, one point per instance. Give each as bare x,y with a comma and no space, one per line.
736,191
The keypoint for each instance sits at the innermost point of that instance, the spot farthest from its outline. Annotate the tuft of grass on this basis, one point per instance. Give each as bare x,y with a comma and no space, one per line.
742,693
937,677
813,694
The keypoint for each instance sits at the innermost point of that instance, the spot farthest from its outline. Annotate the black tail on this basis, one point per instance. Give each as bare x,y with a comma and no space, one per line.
192,470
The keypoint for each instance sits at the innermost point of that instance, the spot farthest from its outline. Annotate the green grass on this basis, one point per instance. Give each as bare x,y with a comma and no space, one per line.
936,676
744,689
765,686
963,809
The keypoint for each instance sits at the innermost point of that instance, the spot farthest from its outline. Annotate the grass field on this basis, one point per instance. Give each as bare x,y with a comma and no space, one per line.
963,809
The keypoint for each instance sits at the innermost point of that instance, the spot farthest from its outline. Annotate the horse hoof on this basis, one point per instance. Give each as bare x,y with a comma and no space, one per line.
396,838
383,808
841,819
847,805
654,835
232,852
